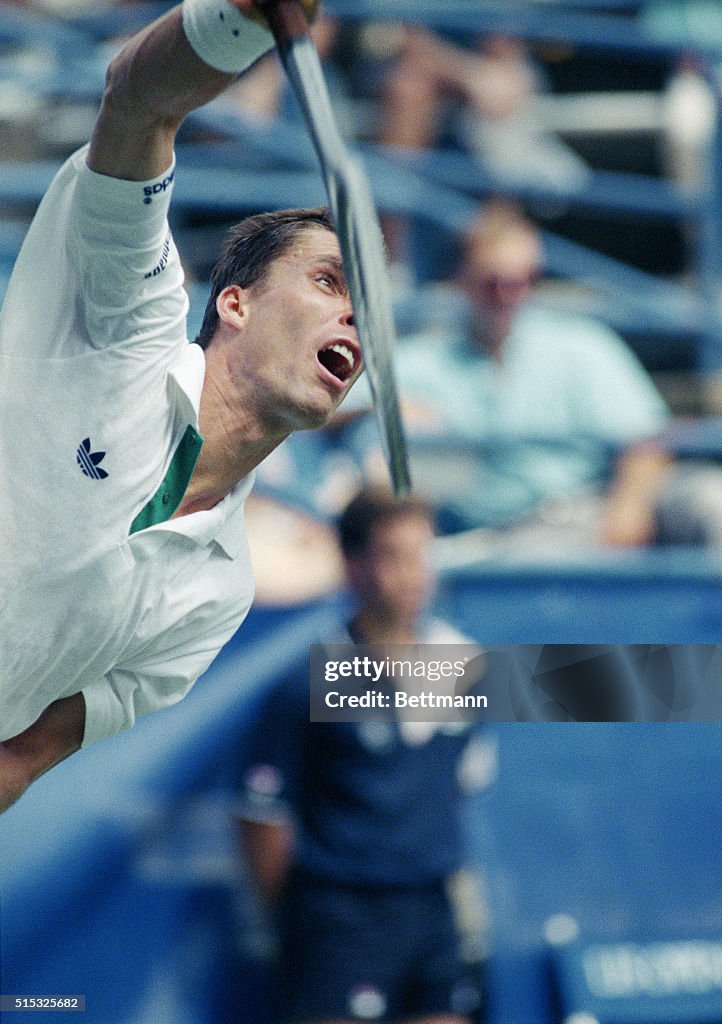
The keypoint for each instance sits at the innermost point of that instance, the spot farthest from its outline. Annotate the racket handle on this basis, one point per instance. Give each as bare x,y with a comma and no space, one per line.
286,18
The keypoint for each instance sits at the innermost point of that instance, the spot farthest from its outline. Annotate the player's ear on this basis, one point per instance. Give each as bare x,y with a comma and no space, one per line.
232,305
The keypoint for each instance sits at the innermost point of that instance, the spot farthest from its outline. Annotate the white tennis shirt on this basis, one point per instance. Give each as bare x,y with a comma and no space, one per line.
99,397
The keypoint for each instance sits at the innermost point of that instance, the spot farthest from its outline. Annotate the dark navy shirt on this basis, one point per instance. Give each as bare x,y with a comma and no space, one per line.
374,803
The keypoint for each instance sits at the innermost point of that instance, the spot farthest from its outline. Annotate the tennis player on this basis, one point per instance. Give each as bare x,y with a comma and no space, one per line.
127,453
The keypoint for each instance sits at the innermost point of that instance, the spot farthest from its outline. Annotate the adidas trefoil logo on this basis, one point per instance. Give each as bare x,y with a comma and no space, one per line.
89,461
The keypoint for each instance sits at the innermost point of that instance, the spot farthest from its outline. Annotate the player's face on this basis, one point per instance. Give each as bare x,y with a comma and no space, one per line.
299,350
395,571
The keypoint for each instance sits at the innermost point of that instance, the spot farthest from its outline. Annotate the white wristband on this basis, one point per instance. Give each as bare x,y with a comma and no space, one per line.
222,36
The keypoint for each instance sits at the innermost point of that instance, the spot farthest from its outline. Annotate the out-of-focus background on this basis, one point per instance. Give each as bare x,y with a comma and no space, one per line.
599,845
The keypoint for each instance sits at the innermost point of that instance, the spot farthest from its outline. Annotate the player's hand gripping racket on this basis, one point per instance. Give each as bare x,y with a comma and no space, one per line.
357,225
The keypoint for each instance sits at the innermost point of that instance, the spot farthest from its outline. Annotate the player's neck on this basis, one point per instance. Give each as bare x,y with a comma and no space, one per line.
375,626
234,443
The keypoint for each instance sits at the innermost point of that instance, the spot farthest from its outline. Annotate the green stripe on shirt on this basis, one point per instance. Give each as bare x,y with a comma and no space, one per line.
170,493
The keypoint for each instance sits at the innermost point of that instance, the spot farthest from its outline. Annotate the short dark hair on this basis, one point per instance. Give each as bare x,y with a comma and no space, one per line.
249,250
375,506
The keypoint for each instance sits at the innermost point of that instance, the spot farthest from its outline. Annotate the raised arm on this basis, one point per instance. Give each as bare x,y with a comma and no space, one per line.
158,78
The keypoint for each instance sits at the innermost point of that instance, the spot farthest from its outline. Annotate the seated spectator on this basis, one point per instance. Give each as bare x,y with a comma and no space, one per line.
568,415
690,101
479,98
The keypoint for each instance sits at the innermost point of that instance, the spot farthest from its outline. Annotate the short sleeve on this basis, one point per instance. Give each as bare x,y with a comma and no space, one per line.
162,670
122,248
615,395
98,267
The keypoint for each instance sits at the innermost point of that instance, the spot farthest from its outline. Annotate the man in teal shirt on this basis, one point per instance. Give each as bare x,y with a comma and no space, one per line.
566,415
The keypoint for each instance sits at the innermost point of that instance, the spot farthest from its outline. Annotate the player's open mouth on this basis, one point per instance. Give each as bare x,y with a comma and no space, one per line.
341,359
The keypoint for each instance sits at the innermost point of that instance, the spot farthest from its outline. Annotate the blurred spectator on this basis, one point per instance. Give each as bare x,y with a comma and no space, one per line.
692,94
352,830
554,395
688,123
480,98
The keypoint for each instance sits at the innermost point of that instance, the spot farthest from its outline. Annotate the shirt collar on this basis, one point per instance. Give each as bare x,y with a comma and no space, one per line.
224,522
187,375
